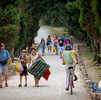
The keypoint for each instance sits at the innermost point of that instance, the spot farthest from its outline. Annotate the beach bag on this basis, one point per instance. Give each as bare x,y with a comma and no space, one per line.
53,50
38,68
19,68
68,57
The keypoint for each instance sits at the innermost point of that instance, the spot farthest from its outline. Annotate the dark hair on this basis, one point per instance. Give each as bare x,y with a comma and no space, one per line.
33,48
68,47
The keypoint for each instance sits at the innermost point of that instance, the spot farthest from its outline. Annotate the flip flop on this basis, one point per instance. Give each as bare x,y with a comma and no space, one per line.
0,86
6,84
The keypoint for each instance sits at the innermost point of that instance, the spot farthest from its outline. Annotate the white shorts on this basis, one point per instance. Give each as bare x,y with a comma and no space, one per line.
61,49
4,69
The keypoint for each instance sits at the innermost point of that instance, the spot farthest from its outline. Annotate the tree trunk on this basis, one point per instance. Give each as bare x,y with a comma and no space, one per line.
98,52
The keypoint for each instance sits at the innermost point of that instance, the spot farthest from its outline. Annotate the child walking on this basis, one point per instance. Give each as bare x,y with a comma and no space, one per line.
22,60
42,44
34,55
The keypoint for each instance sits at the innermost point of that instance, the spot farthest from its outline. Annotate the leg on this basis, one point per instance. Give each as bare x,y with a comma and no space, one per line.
61,54
56,51
20,85
42,50
0,79
50,48
61,51
6,76
75,76
25,80
67,79
36,82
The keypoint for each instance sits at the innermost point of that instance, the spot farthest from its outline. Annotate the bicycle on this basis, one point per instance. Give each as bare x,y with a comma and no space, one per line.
71,85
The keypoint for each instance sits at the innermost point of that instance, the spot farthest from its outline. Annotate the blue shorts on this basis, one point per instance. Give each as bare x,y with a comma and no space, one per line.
49,43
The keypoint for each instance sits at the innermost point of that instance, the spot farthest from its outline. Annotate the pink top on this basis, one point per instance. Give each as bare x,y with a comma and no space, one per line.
55,41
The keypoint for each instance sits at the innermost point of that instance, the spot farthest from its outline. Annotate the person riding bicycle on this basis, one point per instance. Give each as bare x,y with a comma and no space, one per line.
70,59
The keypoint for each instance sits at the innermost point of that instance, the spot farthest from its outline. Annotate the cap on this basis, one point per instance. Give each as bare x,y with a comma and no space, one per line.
68,47
2,45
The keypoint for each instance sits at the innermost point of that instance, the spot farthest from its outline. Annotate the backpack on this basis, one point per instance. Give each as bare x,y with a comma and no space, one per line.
68,57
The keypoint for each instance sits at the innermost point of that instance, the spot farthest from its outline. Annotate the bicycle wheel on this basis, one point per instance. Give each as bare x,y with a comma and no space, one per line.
71,84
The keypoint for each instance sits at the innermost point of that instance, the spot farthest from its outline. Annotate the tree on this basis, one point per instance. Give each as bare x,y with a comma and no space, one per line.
88,23
9,26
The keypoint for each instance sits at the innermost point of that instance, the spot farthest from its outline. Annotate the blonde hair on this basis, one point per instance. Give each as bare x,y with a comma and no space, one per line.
33,48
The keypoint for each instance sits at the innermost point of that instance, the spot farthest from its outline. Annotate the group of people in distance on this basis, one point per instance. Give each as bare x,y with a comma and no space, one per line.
55,43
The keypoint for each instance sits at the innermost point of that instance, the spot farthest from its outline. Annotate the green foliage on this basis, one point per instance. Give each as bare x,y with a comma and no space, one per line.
73,25
96,8
19,19
90,21
58,31
56,15
99,55
9,26
89,18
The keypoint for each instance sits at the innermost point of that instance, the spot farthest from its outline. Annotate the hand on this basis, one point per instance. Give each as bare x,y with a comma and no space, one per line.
76,62
28,65
63,63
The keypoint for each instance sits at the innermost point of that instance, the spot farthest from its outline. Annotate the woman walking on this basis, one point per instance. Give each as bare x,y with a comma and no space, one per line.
4,57
36,70
34,55
42,44
56,44
49,43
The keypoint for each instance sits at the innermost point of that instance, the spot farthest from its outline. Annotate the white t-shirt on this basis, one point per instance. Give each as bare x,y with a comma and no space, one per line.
33,58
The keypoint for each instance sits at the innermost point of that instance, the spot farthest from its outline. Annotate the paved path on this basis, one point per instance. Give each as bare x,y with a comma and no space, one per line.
53,89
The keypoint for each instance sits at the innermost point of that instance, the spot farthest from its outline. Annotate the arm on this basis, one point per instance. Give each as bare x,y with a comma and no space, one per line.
63,60
76,57
9,58
41,57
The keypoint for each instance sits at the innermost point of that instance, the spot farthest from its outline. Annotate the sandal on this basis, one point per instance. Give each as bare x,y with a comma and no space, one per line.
6,84
20,85
36,85
67,89
25,85
0,86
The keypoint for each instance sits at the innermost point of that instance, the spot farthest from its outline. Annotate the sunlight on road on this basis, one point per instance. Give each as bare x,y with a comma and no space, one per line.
43,32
